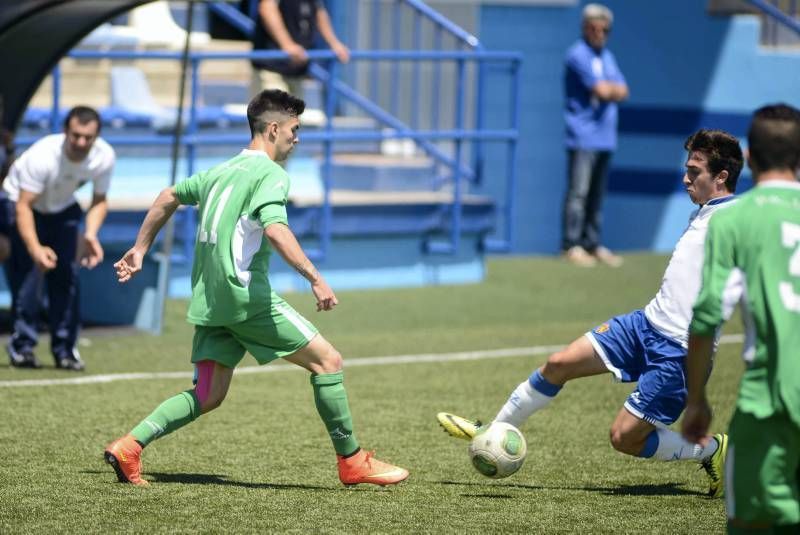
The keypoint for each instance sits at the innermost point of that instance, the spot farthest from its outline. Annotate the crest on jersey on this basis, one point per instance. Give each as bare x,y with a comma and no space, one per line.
601,329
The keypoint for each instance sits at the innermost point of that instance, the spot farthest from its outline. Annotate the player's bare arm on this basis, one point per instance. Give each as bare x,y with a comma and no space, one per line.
697,416
159,213
43,256
326,30
284,241
273,21
90,250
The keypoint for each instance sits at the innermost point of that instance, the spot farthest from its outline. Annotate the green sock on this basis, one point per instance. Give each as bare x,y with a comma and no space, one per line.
331,400
172,414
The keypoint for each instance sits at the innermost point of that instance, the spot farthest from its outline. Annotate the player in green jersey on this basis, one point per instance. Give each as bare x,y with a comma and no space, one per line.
757,241
242,207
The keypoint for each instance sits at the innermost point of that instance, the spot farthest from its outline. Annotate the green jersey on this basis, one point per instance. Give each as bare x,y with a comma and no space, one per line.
237,200
757,241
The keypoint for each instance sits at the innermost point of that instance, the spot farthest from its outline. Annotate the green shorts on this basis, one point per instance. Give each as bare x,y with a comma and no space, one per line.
762,470
274,334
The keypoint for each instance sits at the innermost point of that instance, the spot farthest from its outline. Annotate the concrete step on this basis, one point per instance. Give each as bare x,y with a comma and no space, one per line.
87,81
376,172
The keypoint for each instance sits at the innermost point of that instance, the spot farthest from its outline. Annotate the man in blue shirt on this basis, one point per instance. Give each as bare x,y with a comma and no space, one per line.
593,85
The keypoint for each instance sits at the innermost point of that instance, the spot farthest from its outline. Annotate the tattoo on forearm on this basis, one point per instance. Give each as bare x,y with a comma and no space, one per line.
307,270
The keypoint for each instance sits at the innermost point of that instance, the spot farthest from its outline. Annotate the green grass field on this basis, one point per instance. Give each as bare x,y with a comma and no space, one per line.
263,463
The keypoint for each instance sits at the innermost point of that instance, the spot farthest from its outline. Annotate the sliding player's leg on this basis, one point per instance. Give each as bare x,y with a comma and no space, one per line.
578,359
641,426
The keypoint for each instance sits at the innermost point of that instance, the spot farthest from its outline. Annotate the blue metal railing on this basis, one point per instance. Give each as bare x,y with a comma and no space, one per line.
460,135
420,11
233,16
779,14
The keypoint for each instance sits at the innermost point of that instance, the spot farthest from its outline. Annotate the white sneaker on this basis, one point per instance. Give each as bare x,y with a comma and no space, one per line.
577,255
605,256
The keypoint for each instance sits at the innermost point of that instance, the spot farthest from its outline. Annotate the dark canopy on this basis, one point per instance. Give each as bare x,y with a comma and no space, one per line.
35,34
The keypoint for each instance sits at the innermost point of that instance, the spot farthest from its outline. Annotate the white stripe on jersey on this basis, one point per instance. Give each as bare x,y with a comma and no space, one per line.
736,292
296,320
670,311
602,352
245,243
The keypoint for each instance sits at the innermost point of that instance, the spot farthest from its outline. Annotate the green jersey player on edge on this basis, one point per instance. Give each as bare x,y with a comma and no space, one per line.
757,241
242,207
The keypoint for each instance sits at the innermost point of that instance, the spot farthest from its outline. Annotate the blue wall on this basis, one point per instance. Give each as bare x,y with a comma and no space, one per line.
686,70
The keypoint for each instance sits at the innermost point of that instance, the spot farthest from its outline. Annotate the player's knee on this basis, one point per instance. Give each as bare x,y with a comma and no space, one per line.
331,360
210,404
557,368
622,442
210,401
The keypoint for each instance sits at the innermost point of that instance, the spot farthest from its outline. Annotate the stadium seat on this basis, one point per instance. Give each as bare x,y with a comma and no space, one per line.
37,118
155,28
132,101
110,37
131,96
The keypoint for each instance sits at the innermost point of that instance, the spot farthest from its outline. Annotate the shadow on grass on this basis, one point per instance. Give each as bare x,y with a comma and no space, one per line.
215,479
487,495
663,489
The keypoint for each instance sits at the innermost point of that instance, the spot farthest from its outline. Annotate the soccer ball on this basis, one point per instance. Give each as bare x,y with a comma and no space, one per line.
498,450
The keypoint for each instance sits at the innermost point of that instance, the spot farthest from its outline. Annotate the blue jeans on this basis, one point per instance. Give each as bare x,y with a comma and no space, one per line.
60,232
587,171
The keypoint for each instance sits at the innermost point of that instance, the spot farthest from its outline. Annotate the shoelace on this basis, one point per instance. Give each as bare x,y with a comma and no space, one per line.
708,466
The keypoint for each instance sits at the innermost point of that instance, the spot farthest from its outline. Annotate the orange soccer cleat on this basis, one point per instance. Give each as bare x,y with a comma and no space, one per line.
125,457
364,468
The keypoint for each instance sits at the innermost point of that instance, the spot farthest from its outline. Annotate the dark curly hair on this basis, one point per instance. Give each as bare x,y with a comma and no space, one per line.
723,153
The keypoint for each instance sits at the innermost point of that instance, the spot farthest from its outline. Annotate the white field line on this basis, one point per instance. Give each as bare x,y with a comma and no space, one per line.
351,363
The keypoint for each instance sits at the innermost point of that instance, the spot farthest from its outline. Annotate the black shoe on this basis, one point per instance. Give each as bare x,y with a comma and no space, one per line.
23,359
70,362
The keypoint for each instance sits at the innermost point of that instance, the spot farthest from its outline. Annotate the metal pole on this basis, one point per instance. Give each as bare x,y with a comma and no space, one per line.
376,38
511,186
169,228
455,231
415,73
327,172
55,113
398,20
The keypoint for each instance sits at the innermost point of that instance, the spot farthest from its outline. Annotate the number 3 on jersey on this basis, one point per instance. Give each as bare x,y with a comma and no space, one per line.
790,234
207,232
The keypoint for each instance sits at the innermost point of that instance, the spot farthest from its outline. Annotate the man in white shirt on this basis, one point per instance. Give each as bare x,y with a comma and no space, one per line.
46,238
647,346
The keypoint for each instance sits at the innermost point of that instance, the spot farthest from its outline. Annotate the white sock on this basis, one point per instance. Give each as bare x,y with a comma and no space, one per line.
673,447
522,402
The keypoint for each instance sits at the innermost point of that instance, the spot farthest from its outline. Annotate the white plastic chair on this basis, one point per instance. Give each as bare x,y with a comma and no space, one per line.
130,93
156,28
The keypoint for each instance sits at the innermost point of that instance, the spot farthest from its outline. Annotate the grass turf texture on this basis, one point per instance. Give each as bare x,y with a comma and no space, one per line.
262,461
